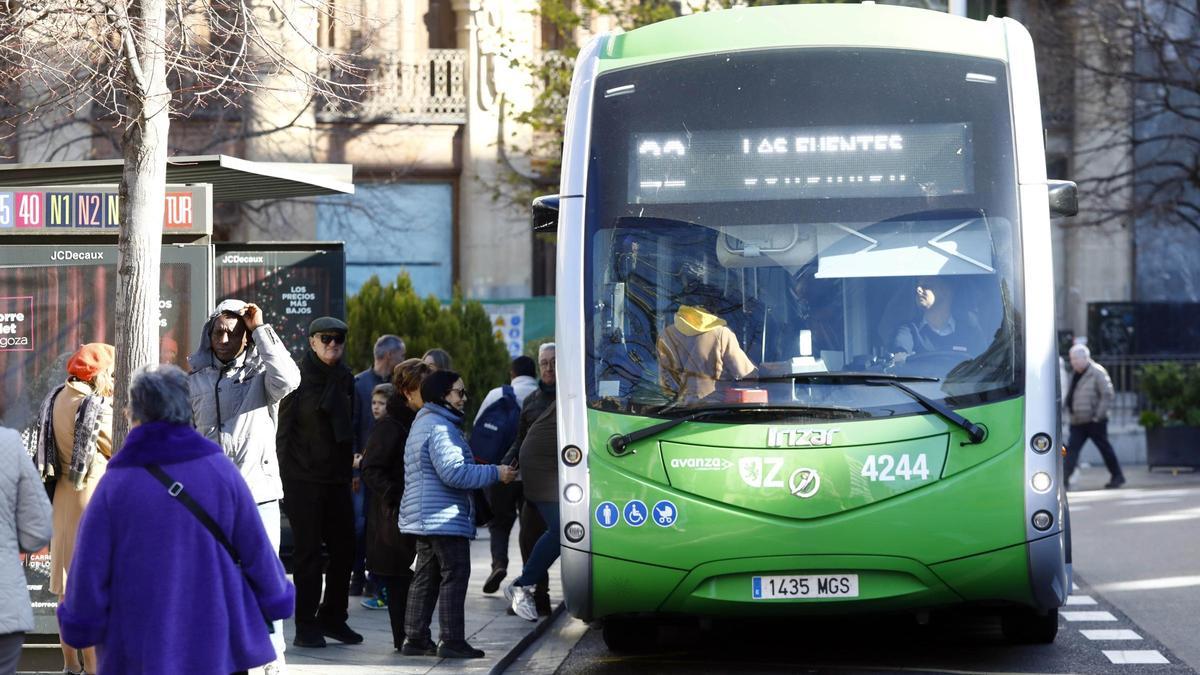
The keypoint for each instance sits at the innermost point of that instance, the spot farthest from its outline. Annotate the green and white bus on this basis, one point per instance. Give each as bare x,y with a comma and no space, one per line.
805,321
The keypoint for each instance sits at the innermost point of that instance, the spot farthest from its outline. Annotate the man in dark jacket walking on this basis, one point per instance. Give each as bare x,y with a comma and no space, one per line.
240,373
316,454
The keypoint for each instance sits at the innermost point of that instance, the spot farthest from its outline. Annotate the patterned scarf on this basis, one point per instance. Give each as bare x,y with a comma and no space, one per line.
87,439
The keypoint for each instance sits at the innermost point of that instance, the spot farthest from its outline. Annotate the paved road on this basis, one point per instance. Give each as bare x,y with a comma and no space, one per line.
1137,600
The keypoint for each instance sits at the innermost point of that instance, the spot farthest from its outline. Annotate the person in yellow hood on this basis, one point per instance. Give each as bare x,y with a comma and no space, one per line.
697,352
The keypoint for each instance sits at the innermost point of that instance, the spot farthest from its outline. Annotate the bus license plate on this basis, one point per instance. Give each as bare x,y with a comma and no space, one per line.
810,586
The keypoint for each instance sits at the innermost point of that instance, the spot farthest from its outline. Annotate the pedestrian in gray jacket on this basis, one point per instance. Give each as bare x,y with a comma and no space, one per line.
240,373
1089,397
24,527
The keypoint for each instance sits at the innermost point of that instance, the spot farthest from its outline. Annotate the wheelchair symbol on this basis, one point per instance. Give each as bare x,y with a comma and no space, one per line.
635,513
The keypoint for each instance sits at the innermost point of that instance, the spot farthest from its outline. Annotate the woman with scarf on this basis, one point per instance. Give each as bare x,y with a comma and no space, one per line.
75,443
316,457
390,554
439,475
175,572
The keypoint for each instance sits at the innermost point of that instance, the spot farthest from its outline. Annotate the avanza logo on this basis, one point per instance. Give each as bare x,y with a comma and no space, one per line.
701,463
792,438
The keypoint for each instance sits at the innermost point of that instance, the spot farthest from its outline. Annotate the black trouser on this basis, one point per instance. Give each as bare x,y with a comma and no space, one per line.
395,589
447,559
532,527
1098,432
505,500
320,513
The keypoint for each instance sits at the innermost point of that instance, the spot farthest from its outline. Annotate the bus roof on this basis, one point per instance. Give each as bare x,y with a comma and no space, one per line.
780,26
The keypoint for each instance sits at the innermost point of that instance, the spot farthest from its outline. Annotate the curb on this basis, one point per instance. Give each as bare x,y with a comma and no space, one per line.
524,643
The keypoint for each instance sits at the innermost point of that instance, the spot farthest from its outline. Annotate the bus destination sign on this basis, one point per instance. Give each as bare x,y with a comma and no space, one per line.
915,160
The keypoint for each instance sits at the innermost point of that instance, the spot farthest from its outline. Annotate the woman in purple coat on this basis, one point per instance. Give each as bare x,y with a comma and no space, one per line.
150,585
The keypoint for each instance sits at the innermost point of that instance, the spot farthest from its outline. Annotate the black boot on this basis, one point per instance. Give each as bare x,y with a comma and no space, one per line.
458,649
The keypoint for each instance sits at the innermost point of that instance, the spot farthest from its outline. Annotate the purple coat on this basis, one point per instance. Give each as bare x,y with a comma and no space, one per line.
150,586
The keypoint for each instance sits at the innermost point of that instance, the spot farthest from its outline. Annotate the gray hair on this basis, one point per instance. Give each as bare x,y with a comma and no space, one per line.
546,347
388,344
1080,349
159,393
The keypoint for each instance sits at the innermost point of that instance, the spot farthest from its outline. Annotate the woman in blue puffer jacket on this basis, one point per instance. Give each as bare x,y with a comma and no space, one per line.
439,475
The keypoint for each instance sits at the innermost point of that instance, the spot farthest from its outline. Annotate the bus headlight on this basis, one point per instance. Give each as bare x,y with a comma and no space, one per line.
572,455
1041,482
1042,520
574,532
573,493
1041,443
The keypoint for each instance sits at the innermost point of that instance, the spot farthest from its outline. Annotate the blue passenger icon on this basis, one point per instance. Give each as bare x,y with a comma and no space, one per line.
635,513
606,514
665,513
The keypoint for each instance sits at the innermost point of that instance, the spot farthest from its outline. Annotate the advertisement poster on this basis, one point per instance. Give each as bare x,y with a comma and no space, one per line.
54,298
293,284
508,325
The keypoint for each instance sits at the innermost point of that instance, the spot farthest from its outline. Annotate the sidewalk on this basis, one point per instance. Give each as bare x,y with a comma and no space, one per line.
1093,476
488,628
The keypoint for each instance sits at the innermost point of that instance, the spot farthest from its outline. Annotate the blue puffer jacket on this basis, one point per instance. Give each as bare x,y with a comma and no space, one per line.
439,474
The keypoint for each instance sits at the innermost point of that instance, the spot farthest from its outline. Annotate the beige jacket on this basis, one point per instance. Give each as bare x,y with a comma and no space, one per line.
1093,395
697,352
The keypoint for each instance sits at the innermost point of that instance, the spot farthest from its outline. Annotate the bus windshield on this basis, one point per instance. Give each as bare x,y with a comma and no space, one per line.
745,236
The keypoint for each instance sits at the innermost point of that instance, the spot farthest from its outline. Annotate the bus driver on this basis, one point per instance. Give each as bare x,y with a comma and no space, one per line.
936,330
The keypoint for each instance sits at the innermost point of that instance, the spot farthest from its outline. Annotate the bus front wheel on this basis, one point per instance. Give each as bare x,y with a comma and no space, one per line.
1029,626
630,635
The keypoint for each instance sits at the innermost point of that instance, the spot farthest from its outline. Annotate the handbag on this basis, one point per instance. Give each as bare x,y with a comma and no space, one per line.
483,509
175,489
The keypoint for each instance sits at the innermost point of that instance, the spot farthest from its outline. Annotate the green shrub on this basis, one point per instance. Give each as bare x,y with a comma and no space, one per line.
1172,394
462,328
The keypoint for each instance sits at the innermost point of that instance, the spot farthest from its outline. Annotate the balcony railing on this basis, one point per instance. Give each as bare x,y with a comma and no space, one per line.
430,88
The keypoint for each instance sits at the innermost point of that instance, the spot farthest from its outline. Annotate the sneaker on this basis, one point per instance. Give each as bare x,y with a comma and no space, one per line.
1115,483
521,598
274,668
493,581
309,637
419,648
373,603
341,632
458,649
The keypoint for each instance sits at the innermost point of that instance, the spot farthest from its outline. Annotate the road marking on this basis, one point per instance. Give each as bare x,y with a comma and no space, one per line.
1088,616
1150,584
1081,600
1169,517
1074,586
1119,634
1135,656
1150,500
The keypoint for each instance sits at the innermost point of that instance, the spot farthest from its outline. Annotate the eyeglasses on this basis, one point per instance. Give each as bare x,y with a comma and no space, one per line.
336,338
461,392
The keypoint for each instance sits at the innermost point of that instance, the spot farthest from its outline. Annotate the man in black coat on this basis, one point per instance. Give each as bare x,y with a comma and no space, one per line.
315,445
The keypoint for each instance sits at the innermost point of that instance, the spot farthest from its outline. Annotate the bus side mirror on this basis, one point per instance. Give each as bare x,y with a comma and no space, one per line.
1064,198
545,214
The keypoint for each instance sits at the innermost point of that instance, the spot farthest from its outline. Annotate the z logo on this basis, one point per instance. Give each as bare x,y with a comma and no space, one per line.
751,469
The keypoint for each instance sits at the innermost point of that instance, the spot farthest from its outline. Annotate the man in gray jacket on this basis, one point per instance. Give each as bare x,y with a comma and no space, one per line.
240,373
1089,397
25,520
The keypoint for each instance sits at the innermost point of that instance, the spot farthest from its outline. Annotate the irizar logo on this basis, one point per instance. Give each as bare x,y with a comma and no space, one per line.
701,463
792,438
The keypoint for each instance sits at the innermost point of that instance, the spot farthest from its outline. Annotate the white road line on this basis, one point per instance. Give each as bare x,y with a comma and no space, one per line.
1135,656
1118,634
1074,586
1088,616
1081,600
1150,584
1168,517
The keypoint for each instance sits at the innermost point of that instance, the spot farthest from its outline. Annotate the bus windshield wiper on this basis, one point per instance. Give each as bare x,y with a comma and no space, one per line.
976,432
620,443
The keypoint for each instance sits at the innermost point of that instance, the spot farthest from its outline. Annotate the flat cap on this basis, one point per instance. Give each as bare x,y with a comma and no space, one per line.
325,324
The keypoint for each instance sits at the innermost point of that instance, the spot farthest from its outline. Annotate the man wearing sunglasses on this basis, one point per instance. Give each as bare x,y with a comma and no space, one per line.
240,373
316,454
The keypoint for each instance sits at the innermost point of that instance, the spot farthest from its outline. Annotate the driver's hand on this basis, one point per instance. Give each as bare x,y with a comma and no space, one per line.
899,357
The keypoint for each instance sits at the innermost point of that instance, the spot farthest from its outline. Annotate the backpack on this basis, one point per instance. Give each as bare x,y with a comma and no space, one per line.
496,429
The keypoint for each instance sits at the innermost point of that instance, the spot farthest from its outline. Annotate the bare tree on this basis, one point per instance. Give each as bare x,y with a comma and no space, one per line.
130,65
